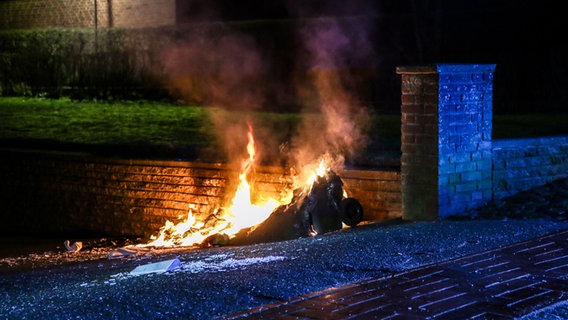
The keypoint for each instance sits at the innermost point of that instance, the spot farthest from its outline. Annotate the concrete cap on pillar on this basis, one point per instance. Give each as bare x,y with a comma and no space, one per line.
446,67
464,67
416,70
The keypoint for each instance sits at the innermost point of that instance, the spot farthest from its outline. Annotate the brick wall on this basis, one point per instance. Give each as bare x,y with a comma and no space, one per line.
27,14
449,162
465,106
521,164
419,126
142,13
24,14
66,193
446,139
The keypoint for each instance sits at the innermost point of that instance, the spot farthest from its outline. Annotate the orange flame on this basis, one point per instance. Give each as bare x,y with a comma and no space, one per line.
317,172
242,213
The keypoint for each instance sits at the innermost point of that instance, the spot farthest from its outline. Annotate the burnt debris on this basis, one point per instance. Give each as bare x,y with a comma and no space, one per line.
318,210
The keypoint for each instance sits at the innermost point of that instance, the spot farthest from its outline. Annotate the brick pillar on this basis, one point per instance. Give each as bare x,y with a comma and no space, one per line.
446,139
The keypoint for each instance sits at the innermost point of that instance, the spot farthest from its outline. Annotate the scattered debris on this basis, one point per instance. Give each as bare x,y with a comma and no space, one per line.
126,251
73,248
156,267
212,263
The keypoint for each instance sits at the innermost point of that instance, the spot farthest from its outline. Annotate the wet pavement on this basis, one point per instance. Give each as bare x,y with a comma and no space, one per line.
421,269
504,283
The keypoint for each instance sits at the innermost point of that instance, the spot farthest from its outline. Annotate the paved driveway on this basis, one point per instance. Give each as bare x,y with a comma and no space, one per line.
216,282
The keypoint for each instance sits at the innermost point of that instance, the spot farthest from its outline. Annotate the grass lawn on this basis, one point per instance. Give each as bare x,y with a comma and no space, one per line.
98,123
170,130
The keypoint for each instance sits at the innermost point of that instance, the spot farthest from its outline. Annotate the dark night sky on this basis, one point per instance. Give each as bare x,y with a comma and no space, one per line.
523,37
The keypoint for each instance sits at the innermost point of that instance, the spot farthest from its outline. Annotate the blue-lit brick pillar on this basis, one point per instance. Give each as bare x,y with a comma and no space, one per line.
446,139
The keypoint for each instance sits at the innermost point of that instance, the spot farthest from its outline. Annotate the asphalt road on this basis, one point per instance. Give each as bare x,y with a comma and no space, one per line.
218,281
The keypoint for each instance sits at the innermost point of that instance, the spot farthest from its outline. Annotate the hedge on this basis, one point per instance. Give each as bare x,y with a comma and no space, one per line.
81,63
126,64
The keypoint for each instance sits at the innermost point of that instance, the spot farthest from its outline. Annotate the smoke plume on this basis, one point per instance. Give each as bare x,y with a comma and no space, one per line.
212,66
336,48
218,67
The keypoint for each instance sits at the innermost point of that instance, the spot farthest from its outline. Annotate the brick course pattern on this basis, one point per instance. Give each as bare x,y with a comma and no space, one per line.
63,193
465,106
29,14
504,283
446,139
419,138
521,164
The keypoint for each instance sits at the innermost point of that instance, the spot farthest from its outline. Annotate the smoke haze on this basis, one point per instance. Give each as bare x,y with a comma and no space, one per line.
227,70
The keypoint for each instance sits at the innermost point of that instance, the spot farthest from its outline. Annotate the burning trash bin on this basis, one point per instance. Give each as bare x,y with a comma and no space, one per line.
320,209
324,209
320,206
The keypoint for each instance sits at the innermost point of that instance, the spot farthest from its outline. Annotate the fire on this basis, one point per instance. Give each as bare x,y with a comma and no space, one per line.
241,213
318,172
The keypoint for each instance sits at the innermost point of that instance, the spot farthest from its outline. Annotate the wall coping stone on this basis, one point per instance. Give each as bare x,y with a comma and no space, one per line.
454,67
416,70
445,67
365,173
518,142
